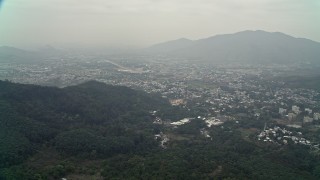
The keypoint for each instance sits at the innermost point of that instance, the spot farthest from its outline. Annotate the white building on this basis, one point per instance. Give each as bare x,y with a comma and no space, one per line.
316,116
282,111
308,110
296,109
307,119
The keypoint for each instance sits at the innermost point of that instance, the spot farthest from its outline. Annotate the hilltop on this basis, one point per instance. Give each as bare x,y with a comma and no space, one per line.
243,47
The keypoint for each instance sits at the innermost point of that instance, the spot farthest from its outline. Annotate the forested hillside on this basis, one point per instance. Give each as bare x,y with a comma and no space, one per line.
98,131
91,118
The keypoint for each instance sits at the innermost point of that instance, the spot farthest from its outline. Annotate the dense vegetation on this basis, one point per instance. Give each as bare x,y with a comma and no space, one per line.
97,131
91,119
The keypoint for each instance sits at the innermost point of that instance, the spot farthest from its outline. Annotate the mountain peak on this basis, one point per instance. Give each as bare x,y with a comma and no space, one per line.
182,39
250,46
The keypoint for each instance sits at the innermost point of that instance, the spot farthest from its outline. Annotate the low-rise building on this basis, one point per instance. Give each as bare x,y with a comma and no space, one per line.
292,116
308,110
296,109
307,119
282,111
316,116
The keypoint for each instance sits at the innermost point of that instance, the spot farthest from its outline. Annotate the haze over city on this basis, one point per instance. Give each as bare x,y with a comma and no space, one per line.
141,23
159,89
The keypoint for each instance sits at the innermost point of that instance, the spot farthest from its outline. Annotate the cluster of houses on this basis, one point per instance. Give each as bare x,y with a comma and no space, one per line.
213,122
282,136
308,115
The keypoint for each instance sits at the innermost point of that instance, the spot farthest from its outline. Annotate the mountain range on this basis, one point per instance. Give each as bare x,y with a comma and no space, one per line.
13,54
244,47
10,54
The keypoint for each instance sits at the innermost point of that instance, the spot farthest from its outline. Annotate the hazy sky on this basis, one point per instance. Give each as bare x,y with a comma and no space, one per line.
144,22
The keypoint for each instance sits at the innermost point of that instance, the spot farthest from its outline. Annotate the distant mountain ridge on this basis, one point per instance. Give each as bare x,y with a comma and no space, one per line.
170,45
242,47
12,54
246,46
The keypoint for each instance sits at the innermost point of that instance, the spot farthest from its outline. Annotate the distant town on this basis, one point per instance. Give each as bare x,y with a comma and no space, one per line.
220,93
